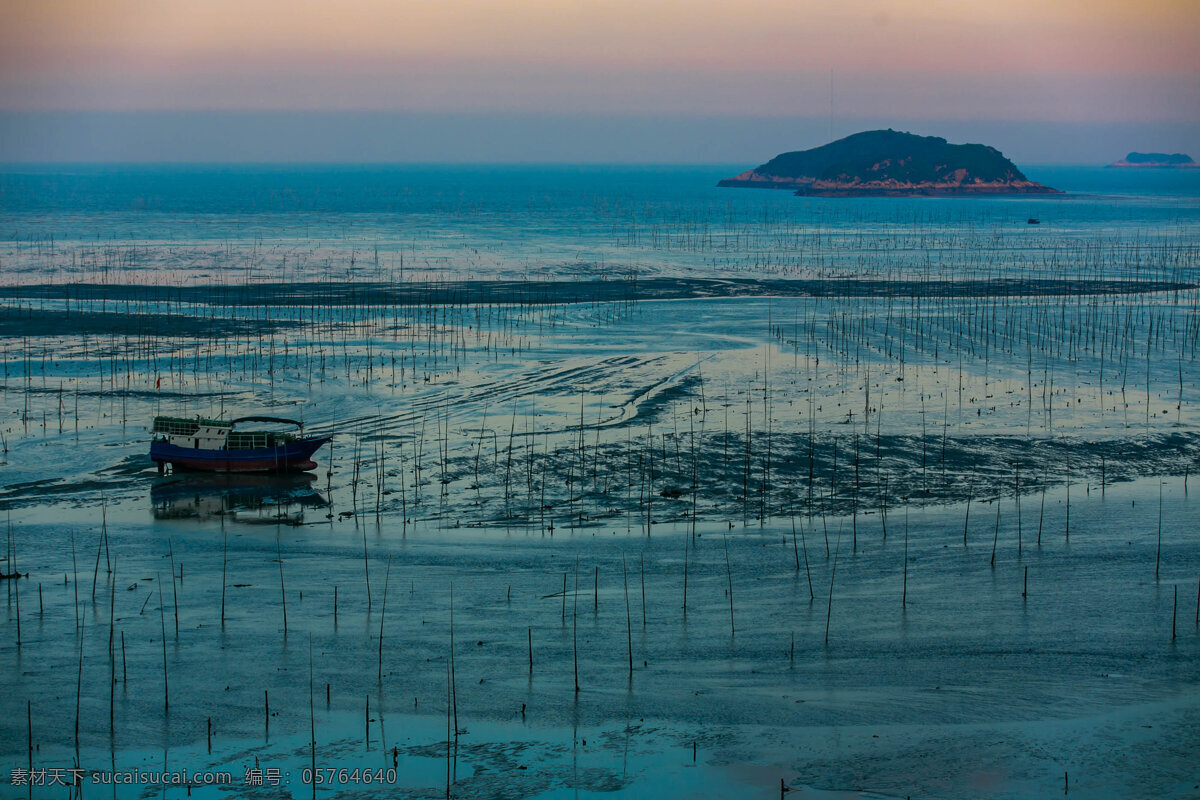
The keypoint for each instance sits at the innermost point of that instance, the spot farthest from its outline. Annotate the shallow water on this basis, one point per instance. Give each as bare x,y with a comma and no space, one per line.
953,662
923,469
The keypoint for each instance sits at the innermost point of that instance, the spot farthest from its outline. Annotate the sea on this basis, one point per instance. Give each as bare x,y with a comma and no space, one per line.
637,486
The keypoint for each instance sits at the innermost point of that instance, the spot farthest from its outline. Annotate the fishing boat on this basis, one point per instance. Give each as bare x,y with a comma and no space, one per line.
208,445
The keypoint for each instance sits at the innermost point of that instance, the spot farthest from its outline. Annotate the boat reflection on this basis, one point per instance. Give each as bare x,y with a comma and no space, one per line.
250,499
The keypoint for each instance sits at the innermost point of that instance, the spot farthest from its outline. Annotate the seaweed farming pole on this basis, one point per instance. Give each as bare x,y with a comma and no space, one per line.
312,719
453,675
1017,492
882,508
795,549
729,576
508,465
99,548
1158,550
575,626
224,563
1067,526
366,570
628,618
162,618
382,612
79,688
692,445
996,533
767,409
854,501
12,565
112,662
29,733
650,478
642,570
686,540
1174,611
1042,511
966,517
282,590
832,575
174,591
448,738
807,571
75,578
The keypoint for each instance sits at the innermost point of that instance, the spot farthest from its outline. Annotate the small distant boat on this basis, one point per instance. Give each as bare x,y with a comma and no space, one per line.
208,445
1033,221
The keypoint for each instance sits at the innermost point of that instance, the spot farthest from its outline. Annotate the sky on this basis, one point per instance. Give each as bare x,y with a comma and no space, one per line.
589,80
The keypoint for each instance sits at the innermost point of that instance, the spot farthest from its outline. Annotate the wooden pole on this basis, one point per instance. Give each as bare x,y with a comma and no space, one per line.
832,574
174,592
729,577
224,565
642,563
1158,550
312,720
282,590
1174,611
628,617
382,612
162,618
575,626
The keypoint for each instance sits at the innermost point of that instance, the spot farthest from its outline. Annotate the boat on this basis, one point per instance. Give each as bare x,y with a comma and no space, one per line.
209,445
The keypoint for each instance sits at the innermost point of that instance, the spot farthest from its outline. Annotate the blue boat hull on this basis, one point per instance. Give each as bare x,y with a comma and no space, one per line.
291,457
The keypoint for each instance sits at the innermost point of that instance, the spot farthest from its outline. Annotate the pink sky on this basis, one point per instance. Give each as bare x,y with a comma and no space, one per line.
1098,60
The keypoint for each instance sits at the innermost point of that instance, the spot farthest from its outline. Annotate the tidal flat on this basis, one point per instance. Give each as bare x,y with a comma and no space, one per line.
636,487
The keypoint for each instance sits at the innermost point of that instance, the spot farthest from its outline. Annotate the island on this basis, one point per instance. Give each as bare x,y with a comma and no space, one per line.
1155,161
890,164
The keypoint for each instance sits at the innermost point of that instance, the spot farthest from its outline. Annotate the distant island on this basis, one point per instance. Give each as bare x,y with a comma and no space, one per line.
1156,161
890,164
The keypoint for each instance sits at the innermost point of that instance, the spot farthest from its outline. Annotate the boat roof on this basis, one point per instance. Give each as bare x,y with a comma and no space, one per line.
187,425
280,420
162,423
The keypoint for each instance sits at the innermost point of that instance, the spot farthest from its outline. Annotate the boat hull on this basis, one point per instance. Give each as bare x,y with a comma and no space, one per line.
291,457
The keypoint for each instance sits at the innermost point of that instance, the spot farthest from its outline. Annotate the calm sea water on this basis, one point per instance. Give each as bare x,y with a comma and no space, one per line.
488,221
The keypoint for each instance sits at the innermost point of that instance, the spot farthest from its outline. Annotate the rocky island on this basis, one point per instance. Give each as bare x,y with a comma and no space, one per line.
1156,161
890,164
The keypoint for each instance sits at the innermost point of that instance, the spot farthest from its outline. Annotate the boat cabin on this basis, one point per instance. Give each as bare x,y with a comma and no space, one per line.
208,434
